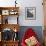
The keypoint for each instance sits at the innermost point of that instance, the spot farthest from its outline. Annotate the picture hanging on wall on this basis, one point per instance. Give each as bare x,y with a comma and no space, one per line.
30,13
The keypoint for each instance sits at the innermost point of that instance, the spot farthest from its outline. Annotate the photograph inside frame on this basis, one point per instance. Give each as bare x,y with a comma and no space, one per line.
30,13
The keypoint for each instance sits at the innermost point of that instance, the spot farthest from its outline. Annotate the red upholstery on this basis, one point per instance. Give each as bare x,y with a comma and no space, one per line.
29,33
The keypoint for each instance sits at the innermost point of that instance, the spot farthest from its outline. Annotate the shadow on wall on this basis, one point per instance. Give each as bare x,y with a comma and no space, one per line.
37,29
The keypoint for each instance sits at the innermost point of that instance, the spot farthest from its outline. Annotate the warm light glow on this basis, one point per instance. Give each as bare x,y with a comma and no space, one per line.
7,0
7,3
15,30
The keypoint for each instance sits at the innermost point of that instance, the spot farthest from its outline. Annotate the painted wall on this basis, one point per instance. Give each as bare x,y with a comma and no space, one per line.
25,3
39,13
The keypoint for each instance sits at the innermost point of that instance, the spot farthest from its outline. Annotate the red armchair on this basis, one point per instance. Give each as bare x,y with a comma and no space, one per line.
28,34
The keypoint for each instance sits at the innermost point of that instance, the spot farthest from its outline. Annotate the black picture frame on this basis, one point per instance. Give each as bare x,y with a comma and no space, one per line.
30,13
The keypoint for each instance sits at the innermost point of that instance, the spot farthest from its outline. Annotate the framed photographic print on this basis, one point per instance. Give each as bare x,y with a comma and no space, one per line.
5,12
30,13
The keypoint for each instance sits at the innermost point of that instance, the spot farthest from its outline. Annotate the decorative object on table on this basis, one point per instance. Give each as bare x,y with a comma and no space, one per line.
30,38
13,12
6,21
7,34
30,13
15,3
15,37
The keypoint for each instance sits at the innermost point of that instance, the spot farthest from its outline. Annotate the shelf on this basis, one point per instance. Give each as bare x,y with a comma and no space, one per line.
4,8
5,12
9,10
9,19
11,41
9,22
10,26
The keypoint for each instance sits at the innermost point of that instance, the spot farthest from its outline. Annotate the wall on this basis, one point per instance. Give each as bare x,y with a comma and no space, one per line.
25,3
39,13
